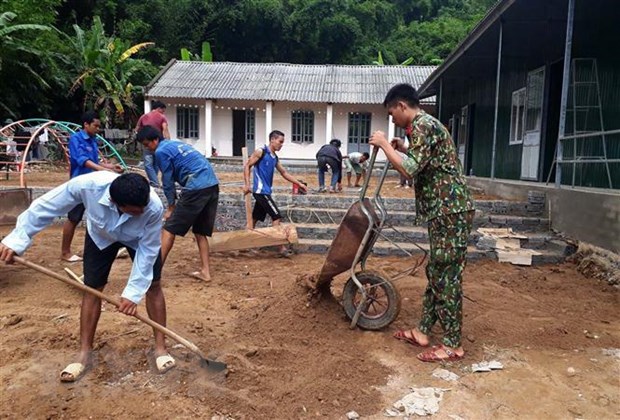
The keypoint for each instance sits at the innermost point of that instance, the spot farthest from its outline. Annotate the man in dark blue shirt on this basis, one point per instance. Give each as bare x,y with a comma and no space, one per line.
196,208
83,159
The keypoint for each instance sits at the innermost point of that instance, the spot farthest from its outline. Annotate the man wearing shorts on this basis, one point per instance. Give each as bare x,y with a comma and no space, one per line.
263,162
196,208
121,211
83,159
355,162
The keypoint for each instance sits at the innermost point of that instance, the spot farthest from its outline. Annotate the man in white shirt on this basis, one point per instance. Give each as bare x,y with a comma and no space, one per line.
121,211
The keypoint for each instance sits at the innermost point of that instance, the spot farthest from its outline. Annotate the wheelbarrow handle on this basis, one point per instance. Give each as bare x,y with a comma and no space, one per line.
371,164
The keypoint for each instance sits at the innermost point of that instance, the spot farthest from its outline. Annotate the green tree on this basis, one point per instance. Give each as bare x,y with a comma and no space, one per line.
106,74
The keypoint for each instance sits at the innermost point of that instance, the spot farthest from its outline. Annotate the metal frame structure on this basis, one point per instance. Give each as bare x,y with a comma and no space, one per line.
57,130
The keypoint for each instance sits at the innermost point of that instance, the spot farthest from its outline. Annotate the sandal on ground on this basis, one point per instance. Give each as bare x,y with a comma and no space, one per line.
164,363
72,372
431,356
407,336
73,258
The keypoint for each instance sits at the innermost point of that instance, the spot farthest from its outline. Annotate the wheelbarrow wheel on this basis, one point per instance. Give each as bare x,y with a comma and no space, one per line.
382,303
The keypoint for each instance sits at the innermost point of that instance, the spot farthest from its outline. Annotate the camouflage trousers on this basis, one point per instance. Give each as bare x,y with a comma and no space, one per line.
443,299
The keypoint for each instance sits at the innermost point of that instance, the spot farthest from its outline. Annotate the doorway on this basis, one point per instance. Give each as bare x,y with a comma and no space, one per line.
535,93
238,131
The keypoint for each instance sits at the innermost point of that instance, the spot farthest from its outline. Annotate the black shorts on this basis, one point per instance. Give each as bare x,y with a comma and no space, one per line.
76,213
98,262
265,206
195,209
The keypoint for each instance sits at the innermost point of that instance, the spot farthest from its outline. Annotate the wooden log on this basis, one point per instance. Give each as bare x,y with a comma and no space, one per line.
253,238
247,197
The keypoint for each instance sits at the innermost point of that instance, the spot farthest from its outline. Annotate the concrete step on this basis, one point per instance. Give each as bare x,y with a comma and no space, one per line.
419,235
229,213
344,201
321,246
405,218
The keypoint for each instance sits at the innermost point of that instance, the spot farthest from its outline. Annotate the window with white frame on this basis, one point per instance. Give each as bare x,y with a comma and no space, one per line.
517,116
359,127
187,123
302,130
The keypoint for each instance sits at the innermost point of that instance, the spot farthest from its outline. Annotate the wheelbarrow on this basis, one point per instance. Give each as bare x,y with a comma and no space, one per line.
369,298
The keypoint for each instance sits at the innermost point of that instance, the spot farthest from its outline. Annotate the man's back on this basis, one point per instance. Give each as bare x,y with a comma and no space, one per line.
329,151
185,164
155,119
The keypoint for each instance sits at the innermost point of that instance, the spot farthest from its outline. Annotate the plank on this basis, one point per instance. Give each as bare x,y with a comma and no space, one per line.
248,199
253,238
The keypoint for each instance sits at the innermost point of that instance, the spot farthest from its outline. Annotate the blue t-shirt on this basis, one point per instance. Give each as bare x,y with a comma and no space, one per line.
82,148
179,162
263,172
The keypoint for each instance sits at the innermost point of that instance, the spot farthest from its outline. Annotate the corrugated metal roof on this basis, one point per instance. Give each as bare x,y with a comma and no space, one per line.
283,82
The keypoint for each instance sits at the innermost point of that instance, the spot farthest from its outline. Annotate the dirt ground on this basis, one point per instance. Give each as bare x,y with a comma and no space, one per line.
290,358
46,175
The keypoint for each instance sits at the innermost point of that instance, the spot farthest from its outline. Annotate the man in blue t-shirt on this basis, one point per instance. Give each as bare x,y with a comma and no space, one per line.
83,159
263,162
196,208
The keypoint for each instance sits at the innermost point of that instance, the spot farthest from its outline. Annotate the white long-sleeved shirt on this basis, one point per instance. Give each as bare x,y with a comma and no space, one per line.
105,223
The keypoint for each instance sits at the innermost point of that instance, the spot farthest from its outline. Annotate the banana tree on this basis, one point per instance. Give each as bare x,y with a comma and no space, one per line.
379,61
106,73
207,55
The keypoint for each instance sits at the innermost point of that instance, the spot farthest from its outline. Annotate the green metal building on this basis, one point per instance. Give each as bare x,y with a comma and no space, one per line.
533,93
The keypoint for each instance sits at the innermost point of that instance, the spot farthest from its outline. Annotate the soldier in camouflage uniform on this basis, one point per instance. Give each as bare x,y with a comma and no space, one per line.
444,202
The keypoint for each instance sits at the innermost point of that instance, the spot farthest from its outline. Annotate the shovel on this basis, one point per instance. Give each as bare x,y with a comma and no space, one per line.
211,365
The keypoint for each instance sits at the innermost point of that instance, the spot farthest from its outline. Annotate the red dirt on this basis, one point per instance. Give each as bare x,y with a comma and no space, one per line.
290,358
51,176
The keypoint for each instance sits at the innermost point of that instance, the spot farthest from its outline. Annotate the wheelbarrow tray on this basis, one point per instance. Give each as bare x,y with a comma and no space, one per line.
348,240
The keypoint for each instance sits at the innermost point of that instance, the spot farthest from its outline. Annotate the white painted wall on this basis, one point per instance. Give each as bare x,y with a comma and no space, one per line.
222,124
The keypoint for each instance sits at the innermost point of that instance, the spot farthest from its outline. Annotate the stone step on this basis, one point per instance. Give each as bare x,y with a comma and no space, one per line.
321,246
419,234
344,201
405,218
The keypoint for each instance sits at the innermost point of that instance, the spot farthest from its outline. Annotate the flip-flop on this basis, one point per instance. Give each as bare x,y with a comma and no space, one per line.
430,355
73,258
402,335
72,372
164,363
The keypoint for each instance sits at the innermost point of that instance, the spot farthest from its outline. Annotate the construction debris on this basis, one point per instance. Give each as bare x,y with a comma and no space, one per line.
420,402
446,375
507,245
487,366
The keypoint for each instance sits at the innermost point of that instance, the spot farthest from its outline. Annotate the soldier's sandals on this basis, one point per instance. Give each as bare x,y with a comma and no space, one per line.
72,372
431,356
407,336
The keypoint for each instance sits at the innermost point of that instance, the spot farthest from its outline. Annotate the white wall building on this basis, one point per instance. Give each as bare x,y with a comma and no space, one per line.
233,105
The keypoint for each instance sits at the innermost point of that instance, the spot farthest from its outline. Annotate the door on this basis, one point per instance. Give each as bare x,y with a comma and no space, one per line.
463,134
238,132
534,91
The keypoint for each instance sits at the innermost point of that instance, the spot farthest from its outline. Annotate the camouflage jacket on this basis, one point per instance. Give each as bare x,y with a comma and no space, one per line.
432,161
